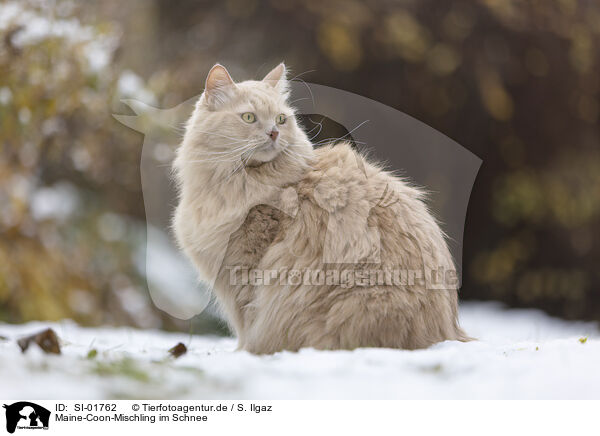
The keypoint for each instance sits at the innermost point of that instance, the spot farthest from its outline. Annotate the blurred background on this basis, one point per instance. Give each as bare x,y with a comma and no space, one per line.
515,82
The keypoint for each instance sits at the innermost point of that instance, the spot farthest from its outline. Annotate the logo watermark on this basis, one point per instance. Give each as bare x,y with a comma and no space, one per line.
25,415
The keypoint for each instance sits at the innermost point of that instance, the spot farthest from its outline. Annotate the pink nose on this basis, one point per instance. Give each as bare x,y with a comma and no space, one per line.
274,134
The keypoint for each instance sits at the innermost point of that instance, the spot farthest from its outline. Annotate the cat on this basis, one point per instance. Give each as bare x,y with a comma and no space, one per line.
302,246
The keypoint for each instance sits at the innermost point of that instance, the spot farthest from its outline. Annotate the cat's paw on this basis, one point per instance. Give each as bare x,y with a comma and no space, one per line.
329,193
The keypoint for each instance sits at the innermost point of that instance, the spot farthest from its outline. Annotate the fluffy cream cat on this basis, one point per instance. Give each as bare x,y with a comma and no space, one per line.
302,247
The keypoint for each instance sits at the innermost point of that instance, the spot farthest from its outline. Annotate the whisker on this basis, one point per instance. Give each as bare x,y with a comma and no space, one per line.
312,97
316,134
296,146
323,141
298,99
217,134
318,125
220,183
294,157
225,152
292,148
301,74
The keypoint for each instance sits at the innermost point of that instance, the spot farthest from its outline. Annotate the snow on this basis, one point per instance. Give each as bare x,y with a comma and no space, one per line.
38,25
56,202
170,276
132,85
5,95
520,354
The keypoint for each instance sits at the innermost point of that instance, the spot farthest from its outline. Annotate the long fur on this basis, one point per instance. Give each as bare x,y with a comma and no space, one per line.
244,205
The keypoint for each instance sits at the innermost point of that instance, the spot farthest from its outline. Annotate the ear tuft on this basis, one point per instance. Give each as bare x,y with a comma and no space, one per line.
277,78
219,86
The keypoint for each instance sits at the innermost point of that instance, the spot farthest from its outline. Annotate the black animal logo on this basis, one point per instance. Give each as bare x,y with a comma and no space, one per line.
26,415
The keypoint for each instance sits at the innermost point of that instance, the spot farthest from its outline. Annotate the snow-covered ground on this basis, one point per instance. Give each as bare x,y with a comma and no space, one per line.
519,354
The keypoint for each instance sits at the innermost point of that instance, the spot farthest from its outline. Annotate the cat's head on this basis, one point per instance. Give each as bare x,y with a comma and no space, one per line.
249,121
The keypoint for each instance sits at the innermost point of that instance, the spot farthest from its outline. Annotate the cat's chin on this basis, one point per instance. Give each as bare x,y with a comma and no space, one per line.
264,155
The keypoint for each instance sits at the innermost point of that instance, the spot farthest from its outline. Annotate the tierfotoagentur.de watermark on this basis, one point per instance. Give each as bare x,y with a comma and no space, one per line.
351,277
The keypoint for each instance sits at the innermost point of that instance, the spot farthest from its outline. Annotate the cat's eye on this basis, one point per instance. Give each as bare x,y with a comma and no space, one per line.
248,117
280,119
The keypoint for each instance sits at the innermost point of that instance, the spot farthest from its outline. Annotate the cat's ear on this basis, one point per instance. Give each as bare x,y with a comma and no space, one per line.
277,78
219,86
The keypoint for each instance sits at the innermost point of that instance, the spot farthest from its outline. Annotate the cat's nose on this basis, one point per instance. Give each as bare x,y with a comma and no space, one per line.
273,134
